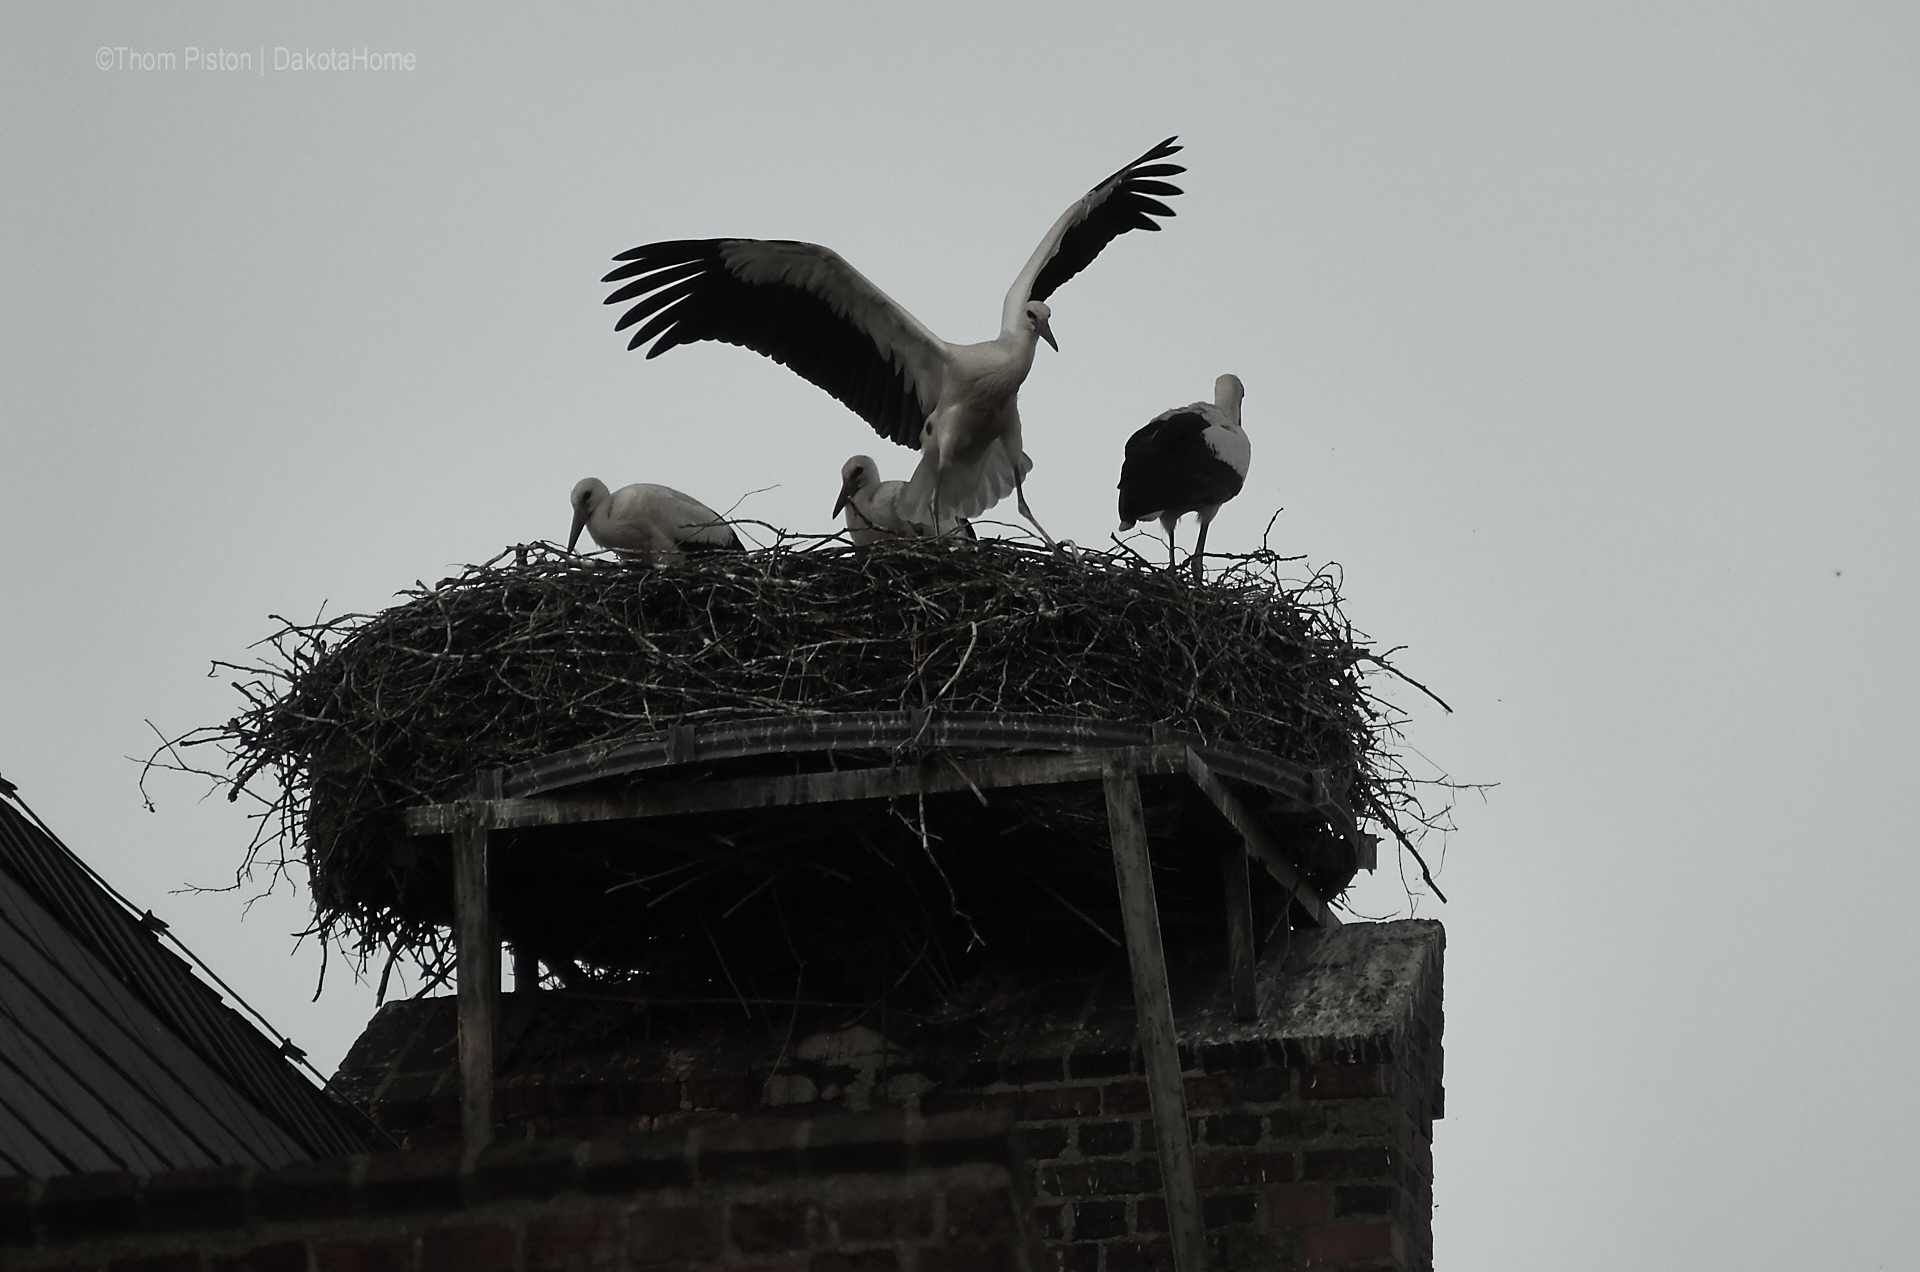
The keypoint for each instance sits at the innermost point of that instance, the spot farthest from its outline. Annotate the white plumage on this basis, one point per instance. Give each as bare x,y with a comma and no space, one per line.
802,305
1189,459
649,523
874,507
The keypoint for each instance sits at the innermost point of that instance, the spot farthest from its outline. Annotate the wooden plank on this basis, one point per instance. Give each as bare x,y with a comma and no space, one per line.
883,731
892,731
1240,951
478,967
1259,842
1153,1005
666,799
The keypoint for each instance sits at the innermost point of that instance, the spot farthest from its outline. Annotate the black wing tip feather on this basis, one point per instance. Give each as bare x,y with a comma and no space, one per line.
1123,202
686,292
1135,170
649,257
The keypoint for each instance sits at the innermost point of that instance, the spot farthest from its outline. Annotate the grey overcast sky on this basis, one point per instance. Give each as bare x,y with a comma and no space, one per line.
1582,335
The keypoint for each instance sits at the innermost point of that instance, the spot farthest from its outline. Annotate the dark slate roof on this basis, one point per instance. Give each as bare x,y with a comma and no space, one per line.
114,1055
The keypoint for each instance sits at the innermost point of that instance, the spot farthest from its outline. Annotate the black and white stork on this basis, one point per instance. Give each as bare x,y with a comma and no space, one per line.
802,305
1190,459
648,523
874,506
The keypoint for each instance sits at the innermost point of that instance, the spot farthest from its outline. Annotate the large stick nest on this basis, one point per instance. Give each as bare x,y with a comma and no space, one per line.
350,721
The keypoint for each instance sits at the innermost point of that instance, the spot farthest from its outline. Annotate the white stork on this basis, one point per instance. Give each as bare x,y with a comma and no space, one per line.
873,506
644,522
802,305
1190,459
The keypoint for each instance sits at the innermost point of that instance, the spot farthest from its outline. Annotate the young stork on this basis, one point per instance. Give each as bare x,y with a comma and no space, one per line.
648,523
802,305
1190,459
873,506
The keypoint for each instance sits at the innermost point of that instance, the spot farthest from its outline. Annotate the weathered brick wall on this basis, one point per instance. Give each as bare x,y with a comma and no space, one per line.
1312,1126
880,1193
1298,1158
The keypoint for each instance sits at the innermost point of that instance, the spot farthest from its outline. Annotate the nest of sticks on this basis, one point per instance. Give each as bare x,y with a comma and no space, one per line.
350,721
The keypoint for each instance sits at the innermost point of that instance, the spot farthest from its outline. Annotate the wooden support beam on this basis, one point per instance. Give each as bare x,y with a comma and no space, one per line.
887,731
1240,951
940,776
1153,1004
1259,842
478,966
526,970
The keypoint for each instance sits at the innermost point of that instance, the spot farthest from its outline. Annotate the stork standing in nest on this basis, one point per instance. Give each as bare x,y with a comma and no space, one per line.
1190,459
802,305
644,522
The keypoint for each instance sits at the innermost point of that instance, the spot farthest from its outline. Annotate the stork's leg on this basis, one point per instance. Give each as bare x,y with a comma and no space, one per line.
1020,497
925,482
1167,524
1200,547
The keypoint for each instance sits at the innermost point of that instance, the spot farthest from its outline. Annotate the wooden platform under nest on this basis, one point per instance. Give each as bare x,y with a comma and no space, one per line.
874,856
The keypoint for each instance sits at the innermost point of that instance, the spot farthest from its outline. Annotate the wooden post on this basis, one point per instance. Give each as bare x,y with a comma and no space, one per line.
1153,1004
526,970
1240,951
479,965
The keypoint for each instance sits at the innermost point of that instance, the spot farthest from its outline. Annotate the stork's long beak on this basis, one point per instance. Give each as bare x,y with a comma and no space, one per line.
579,523
1046,332
846,493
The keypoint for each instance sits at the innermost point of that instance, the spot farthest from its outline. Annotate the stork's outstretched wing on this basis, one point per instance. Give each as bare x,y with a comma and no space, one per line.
799,304
1124,201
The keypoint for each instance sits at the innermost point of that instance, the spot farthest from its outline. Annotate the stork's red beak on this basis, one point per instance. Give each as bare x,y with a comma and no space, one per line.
846,493
579,523
1045,329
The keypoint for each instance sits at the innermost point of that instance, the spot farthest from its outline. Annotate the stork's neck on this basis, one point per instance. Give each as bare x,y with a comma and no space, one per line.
1014,349
1227,393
